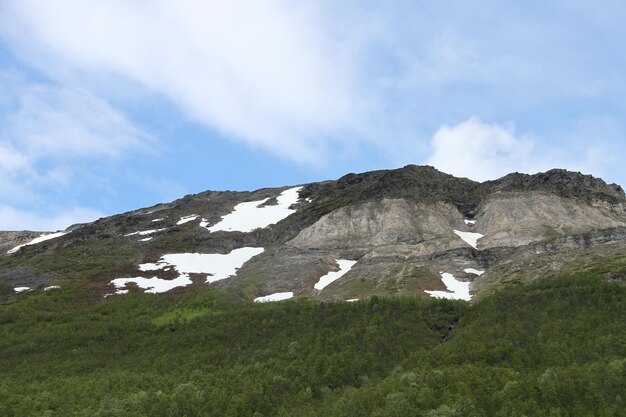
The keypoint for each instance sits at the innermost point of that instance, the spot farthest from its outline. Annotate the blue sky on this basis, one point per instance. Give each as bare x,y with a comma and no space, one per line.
108,106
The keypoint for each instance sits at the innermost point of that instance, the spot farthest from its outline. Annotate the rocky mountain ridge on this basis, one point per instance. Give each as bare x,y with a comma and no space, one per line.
405,229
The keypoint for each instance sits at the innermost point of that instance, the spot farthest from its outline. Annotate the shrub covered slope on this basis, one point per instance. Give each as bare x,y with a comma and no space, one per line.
555,347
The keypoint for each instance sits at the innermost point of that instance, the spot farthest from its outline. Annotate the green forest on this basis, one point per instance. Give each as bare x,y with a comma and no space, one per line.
554,347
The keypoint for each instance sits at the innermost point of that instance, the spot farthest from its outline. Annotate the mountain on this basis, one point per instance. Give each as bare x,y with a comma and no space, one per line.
541,258
410,231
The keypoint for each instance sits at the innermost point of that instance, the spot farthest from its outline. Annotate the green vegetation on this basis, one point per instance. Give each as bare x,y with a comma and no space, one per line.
555,347
178,315
89,259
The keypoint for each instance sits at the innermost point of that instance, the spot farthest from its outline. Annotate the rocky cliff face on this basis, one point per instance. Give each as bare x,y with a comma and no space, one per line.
404,228
520,218
9,240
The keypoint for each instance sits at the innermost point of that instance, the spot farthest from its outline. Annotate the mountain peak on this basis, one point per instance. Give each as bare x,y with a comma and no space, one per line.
562,182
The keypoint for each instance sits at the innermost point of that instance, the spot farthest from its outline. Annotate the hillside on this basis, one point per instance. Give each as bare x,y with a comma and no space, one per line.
411,231
150,312
552,347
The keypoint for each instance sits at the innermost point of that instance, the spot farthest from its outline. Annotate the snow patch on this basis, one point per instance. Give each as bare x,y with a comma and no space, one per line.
21,289
473,271
152,285
352,300
457,290
217,265
277,296
186,219
146,232
344,266
52,287
157,220
39,239
145,239
118,292
469,237
470,222
248,216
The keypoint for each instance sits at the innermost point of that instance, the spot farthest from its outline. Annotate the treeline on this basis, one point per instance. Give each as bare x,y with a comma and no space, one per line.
556,347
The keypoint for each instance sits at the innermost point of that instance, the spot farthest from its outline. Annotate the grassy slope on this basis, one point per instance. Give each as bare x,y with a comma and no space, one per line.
553,347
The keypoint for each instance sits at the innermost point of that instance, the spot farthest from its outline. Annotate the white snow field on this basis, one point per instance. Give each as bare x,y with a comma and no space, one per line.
157,220
52,287
352,300
470,222
218,265
277,296
215,265
469,237
246,217
21,289
39,239
473,271
146,232
457,290
344,266
186,219
151,285
147,239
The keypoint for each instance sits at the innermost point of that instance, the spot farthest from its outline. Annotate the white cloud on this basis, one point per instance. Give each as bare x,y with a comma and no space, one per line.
482,151
62,122
262,72
50,128
12,218
11,160
48,135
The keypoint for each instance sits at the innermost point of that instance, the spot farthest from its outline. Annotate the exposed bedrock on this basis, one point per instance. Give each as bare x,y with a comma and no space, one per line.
517,219
425,228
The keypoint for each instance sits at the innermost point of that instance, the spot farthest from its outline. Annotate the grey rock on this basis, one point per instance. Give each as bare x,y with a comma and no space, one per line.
397,224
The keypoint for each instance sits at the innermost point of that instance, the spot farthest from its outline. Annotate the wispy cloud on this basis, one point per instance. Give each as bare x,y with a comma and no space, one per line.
266,76
65,123
345,86
47,134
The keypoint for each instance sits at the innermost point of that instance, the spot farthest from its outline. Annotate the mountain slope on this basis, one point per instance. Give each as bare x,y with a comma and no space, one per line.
552,347
405,229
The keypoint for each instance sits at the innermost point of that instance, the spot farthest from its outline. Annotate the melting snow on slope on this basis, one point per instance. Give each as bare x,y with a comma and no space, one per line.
344,266
186,219
157,220
146,232
473,271
146,239
218,265
469,237
39,239
457,290
470,222
152,285
278,296
52,287
21,289
246,217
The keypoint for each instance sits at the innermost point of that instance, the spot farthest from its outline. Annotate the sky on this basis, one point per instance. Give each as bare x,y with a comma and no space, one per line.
109,105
